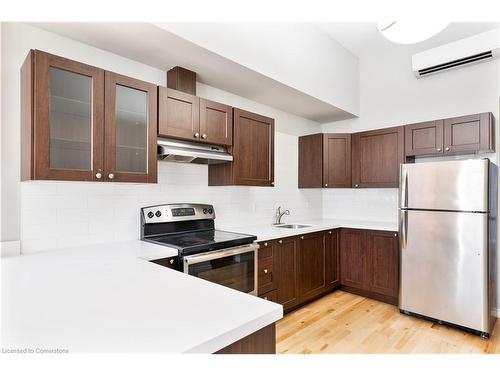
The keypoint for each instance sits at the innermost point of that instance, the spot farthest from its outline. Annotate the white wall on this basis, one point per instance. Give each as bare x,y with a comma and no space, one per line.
390,95
46,215
281,51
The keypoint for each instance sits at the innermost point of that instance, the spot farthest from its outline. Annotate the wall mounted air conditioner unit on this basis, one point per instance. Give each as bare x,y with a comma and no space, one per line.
477,48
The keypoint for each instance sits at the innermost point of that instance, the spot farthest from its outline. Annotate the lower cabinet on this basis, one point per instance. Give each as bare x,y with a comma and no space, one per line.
383,266
311,265
277,271
370,263
270,296
295,270
266,273
287,291
262,341
332,258
353,258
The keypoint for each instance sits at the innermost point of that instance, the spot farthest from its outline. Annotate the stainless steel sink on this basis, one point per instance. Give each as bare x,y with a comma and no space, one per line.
292,226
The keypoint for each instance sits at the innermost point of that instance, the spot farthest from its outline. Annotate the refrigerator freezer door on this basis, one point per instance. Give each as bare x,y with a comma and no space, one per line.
444,266
460,185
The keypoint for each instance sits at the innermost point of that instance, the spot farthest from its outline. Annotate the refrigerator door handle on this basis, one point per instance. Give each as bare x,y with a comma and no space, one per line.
403,225
404,188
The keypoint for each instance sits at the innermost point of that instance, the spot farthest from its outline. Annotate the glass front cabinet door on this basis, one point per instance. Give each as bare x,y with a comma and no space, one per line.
67,120
130,129
82,123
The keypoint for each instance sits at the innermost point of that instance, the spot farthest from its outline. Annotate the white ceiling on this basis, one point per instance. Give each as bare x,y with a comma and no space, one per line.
141,41
364,40
156,47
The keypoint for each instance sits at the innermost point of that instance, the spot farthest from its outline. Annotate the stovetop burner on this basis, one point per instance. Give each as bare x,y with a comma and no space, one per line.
196,242
188,228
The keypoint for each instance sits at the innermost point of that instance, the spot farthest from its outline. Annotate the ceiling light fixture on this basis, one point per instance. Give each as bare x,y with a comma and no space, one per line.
409,31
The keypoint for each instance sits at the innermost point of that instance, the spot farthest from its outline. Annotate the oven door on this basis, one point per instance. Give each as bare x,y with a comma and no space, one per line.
235,267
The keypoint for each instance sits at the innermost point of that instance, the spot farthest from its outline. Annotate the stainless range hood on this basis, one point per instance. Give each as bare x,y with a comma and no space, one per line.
191,152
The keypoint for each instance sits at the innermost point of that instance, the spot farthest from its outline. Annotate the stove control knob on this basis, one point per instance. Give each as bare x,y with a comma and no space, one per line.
205,211
210,211
150,214
158,213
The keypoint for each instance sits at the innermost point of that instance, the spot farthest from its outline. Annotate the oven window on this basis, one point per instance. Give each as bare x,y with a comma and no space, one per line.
235,271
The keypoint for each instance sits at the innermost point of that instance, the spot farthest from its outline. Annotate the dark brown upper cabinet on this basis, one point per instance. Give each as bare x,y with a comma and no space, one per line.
62,119
253,153
130,129
465,134
311,161
216,122
376,157
185,116
424,138
178,114
65,111
182,79
469,133
325,161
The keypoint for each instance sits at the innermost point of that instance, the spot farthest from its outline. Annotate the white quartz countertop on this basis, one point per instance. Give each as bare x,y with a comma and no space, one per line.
109,298
266,232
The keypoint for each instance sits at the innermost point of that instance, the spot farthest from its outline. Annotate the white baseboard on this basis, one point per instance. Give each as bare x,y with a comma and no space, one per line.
10,248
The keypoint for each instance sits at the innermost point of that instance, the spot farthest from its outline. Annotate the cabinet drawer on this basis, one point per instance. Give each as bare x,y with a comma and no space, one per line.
265,275
265,249
270,296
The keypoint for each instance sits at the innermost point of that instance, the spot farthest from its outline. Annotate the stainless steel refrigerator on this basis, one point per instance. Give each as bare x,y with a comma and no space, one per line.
447,225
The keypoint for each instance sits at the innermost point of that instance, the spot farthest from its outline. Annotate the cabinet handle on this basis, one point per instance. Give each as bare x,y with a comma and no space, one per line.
447,149
171,261
326,185
265,244
356,185
280,241
98,175
438,150
196,135
330,232
395,234
111,176
265,271
265,298
301,237
203,136
272,183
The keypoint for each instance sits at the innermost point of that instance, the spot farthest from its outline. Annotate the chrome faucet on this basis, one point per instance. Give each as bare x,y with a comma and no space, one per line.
279,215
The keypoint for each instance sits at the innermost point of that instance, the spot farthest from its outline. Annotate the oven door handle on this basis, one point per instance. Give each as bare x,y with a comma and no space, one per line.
199,258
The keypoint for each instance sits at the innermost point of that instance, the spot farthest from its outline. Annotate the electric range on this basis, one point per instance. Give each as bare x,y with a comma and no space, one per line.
226,258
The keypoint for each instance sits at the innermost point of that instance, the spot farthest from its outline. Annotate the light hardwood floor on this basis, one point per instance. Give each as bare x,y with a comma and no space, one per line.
346,323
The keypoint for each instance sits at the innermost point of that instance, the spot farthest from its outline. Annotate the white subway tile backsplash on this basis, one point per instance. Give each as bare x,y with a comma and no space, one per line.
39,188
34,216
38,202
365,204
65,200
65,214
